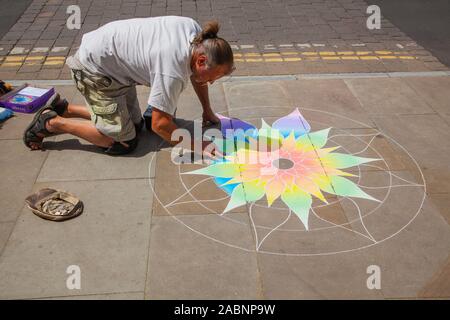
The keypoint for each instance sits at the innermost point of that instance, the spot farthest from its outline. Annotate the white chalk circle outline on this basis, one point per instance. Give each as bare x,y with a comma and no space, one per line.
256,249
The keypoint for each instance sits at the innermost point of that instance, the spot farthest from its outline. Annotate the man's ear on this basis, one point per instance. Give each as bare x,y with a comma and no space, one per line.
201,60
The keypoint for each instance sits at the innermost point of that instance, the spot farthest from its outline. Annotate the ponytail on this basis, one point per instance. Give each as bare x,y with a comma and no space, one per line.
209,31
216,49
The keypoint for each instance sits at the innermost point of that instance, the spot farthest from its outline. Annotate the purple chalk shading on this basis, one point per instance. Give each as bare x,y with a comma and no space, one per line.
292,122
233,124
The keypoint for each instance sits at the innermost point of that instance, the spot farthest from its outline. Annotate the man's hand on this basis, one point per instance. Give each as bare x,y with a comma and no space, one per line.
163,125
209,118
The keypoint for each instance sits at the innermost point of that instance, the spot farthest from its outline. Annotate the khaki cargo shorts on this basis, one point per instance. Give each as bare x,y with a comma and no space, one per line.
113,106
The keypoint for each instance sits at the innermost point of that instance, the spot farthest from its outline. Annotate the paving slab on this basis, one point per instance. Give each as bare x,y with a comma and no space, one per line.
186,265
370,143
22,167
251,95
189,107
400,199
102,241
110,296
331,96
410,260
434,90
322,277
5,231
180,193
387,96
71,158
425,137
439,285
13,128
442,202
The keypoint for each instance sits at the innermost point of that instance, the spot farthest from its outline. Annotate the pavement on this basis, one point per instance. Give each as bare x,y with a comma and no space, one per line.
148,231
151,230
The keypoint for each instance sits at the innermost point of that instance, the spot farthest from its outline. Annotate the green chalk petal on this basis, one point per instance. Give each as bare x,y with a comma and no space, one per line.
319,138
267,132
237,198
253,191
223,170
225,146
299,202
344,187
342,161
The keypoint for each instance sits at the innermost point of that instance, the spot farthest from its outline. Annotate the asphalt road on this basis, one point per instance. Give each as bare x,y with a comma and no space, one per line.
425,21
10,12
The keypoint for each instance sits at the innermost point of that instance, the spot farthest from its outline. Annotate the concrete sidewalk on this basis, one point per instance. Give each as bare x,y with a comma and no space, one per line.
149,232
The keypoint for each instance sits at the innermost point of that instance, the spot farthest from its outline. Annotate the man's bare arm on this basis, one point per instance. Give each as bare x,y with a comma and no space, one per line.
164,126
203,95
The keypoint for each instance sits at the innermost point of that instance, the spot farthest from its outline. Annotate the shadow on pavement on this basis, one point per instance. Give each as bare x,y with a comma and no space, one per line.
148,142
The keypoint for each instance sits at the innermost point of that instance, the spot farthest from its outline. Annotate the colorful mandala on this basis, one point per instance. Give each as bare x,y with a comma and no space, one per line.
295,166
21,99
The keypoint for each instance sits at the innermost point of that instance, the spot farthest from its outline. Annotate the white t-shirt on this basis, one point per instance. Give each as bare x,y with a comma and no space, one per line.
151,51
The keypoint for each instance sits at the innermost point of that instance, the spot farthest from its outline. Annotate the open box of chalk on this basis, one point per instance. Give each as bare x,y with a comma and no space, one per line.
26,99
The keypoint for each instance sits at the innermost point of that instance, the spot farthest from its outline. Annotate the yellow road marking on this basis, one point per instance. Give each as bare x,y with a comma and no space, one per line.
274,60
292,59
327,53
383,52
55,58
53,63
369,58
11,64
251,54
288,56
15,58
271,55
35,58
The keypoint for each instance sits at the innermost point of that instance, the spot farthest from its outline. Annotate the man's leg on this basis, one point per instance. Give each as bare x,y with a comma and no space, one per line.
77,111
81,129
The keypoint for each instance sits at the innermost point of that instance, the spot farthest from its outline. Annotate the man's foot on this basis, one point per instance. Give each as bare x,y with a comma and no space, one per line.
38,129
56,104
148,118
60,106
138,127
121,148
